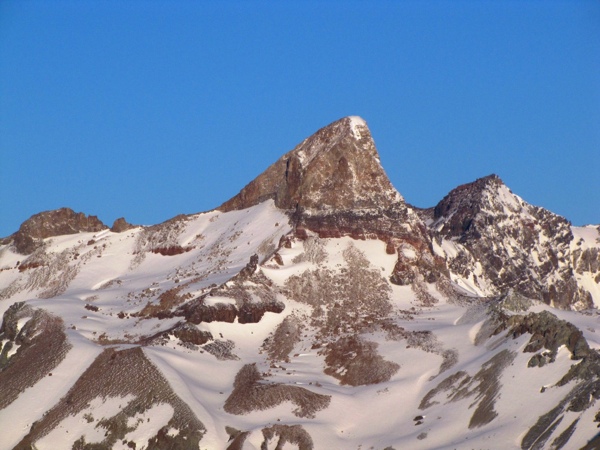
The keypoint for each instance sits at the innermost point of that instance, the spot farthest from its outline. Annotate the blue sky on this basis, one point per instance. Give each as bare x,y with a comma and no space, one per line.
149,109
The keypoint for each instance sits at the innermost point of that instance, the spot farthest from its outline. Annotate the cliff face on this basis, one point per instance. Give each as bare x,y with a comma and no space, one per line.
46,224
337,168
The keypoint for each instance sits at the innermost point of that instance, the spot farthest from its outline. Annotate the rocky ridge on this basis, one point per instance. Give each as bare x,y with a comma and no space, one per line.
46,224
315,290
499,242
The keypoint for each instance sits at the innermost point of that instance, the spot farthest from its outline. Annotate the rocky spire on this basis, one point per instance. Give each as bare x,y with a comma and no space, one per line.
337,168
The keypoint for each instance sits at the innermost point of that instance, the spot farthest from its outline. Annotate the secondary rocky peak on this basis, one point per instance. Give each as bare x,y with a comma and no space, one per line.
337,168
505,243
469,194
459,211
57,222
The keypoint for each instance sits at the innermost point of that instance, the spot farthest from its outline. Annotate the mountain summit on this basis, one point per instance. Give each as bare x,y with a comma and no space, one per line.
336,168
510,244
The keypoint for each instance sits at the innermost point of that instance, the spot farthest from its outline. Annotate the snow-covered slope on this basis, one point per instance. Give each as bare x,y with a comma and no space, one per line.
295,318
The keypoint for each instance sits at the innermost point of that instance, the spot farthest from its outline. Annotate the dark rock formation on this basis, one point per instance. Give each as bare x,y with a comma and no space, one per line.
356,362
519,246
294,434
171,250
254,312
52,223
121,225
548,332
187,333
461,207
249,270
197,312
42,345
336,168
249,394
281,343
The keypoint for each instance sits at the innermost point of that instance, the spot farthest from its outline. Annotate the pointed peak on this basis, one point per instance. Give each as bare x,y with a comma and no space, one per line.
486,200
483,197
357,125
490,180
478,185
336,168
351,128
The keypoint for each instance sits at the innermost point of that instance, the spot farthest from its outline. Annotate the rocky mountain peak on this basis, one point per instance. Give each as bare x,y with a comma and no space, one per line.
53,223
487,195
337,168
120,225
333,185
509,243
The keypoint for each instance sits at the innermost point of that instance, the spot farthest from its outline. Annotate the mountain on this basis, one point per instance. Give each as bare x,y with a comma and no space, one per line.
316,309
495,241
337,168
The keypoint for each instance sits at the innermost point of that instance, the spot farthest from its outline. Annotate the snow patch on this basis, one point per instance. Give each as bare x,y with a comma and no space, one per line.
147,425
356,123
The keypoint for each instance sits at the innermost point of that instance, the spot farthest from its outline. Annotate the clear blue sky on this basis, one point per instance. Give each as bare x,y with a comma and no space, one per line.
149,109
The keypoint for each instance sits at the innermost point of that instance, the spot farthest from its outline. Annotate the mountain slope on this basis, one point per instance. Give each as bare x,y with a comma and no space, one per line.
297,316
497,242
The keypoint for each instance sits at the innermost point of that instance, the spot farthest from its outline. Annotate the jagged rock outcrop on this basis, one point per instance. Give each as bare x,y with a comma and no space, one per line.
336,168
504,243
52,223
187,333
120,225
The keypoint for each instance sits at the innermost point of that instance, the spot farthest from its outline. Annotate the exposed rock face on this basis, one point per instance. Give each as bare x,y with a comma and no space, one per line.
516,245
53,223
333,185
251,291
120,225
336,168
187,333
